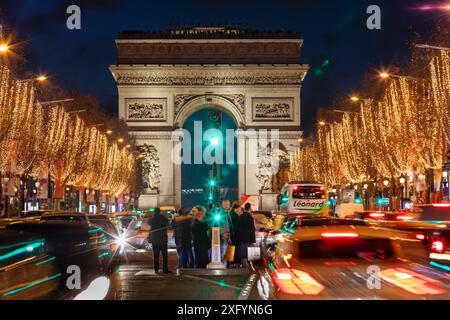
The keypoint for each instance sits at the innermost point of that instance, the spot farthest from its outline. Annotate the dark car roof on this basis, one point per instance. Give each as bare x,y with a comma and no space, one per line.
99,217
51,227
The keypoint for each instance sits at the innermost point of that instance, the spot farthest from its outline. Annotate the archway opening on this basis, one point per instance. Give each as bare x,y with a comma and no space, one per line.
205,182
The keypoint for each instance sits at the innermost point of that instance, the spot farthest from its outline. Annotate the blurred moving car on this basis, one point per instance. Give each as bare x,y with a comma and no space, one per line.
436,212
65,216
378,215
129,225
336,259
439,250
24,271
406,221
61,245
263,223
110,229
33,213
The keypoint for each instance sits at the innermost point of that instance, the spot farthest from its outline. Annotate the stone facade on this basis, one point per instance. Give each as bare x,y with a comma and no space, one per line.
156,98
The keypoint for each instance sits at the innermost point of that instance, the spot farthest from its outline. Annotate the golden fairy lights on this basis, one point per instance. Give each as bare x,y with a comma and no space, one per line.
407,130
35,135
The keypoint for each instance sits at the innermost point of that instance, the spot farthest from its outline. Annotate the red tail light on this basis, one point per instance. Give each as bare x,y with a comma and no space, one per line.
339,235
420,236
441,205
437,246
322,188
376,215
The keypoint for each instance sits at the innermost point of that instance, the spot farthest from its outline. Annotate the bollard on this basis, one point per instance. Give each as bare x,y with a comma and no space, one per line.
216,262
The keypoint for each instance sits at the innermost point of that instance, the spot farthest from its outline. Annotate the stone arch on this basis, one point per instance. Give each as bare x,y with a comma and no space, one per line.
209,101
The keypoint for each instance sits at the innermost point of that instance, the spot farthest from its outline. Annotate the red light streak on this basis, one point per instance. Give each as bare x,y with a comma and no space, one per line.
339,235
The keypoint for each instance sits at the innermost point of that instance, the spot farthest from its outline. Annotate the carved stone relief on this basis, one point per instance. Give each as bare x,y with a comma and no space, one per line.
146,109
273,109
150,169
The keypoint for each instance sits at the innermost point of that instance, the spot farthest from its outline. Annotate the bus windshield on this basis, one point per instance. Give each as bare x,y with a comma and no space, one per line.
308,192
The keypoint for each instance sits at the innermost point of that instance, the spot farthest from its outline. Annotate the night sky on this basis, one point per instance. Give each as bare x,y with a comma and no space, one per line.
332,30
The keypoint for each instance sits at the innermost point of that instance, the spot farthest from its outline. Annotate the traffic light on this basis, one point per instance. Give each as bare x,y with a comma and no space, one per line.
214,141
212,183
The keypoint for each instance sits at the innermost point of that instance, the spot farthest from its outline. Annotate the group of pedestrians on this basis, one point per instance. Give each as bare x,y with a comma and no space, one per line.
192,233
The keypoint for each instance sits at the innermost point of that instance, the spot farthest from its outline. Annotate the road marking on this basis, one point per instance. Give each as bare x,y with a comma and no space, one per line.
221,284
145,273
245,292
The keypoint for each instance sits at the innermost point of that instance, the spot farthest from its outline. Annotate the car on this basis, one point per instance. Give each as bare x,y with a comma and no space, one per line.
24,263
33,213
378,215
109,227
130,224
436,212
439,250
65,216
66,244
341,260
263,222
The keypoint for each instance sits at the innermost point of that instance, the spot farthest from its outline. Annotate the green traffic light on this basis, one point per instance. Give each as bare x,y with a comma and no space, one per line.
217,217
214,141
212,183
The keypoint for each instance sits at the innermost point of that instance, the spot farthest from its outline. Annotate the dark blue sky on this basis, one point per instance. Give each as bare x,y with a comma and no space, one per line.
333,30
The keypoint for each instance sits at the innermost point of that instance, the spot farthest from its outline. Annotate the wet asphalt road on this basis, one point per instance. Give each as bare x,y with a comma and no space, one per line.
136,280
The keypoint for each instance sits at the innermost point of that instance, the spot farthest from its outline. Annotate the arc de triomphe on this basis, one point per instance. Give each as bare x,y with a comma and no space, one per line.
164,77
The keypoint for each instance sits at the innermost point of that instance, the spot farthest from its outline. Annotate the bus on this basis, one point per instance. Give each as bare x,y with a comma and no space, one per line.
304,198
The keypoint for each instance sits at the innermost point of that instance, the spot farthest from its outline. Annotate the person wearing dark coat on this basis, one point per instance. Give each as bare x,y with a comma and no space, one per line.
232,218
245,234
158,238
183,239
200,229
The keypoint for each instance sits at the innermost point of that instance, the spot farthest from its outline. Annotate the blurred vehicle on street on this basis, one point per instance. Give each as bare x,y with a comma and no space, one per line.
41,266
34,213
65,216
436,212
344,259
439,250
129,227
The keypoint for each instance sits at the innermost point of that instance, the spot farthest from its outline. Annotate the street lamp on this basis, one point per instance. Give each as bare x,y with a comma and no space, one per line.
322,123
300,140
402,180
4,47
39,78
354,98
109,131
385,182
384,75
120,140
